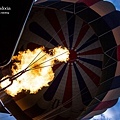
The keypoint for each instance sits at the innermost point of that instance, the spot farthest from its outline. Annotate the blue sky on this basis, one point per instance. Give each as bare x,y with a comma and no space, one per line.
116,3
110,114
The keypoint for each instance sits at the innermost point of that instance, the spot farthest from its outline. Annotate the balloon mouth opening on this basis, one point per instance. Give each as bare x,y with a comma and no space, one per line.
72,56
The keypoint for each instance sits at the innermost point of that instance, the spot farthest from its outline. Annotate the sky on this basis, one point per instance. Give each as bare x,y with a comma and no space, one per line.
110,114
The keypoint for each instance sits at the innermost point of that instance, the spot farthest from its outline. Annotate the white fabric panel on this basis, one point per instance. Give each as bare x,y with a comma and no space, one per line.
101,9
116,33
93,113
115,94
118,69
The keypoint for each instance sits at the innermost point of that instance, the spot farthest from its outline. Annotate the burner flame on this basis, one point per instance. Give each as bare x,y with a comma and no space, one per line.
36,68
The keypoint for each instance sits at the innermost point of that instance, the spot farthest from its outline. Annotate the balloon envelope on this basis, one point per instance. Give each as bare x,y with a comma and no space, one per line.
88,83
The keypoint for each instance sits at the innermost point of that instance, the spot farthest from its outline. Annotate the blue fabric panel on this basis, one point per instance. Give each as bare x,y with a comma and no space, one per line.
107,41
38,30
71,26
116,82
108,61
108,72
112,53
92,62
49,94
90,41
112,19
100,26
88,15
85,94
80,6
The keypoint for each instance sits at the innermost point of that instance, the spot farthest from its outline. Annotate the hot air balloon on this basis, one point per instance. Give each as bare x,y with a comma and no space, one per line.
88,83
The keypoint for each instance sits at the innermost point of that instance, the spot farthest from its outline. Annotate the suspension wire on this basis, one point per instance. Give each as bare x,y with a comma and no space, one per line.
5,107
38,67
56,114
11,78
49,42
62,105
36,60
50,59
65,103
33,61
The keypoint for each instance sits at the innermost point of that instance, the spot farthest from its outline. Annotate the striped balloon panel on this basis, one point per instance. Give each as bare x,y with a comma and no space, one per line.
77,80
110,75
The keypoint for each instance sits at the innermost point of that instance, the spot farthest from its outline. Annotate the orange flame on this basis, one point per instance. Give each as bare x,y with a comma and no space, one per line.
39,72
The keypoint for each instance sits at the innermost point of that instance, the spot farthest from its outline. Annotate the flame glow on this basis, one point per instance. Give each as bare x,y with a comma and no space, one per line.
39,73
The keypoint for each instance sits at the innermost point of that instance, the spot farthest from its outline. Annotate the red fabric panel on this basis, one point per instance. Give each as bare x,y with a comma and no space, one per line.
105,104
118,53
89,2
